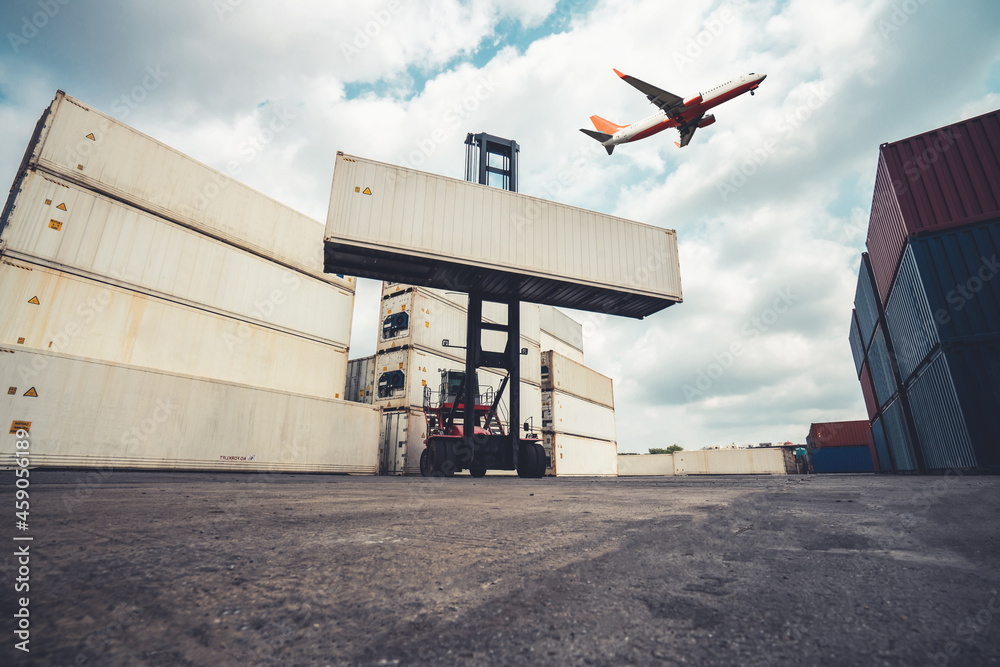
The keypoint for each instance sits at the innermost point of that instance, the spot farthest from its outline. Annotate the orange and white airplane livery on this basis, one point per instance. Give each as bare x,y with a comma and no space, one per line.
687,115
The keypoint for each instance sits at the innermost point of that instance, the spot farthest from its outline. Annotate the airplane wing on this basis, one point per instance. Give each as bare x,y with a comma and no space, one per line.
658,96
687,131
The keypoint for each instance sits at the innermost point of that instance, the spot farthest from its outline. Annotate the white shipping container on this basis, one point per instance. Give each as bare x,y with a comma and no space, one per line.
558,324
47,310
451,232
70,229
761,461
565,413
562,374
549,342
360,386
103,154
96,414
573,456
394,441
634,465
421,369
418,319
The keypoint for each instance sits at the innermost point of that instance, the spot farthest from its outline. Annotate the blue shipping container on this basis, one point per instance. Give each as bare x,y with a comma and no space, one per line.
938,419
881,448
911,325
896,437
856,458
857,347
975,371
882,377
864,302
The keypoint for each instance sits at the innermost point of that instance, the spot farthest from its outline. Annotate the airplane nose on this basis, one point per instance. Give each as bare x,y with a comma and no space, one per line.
763,76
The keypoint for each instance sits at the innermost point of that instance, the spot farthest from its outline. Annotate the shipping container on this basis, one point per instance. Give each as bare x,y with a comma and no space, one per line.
86,413
837,434
942,179
975,371
872,452
394,441
881,368
868,392
897,437
418,318
958,270
564,375
857,347
911,325
574,456
48,310
856,458
644,465
864,303
565,413
59,225
757,461
881,447
81,145
392,223
360,387
938,418
561,326
402,375
549,342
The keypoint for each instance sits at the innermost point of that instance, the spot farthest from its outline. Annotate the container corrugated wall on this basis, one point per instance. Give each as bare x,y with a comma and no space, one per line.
565,375
938,419
868,391
864,303
896,437
881,370
947,177
975,370
911,324
881,446
886,231
560,325
857,347
856,458
960,270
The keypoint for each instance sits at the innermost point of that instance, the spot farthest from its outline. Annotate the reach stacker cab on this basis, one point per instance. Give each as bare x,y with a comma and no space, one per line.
446,452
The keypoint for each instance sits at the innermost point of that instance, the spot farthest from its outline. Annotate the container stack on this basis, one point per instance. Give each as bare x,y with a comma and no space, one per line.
159,314
578,418
841,447
926,329
560,333
411,354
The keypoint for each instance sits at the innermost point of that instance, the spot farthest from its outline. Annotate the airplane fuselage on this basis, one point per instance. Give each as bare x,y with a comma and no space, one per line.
661,120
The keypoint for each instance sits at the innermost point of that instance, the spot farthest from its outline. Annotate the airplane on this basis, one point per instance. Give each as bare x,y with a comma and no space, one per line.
687,115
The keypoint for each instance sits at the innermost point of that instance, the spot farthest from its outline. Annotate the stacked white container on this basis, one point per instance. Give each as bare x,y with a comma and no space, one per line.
147,279
413,324
560,333
578,418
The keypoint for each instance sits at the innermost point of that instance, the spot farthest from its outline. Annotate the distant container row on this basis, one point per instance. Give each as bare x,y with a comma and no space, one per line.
925,333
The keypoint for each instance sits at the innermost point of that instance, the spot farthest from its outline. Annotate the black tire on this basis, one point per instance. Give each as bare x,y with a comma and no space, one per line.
527,462
477,469
442,465
540,460
426,465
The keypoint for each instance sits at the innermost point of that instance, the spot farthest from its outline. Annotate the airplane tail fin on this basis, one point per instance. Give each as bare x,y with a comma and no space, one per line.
600,136
605,126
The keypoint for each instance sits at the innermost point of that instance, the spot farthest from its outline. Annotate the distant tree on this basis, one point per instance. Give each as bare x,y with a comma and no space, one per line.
665,450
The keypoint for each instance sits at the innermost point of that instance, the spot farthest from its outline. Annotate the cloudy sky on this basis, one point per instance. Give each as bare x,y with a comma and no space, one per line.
770,204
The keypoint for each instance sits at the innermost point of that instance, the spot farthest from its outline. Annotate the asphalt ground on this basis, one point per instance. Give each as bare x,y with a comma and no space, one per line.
133,568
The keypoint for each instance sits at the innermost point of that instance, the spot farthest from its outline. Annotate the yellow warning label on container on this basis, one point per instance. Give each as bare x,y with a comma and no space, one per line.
367,191
48,201
423,383
55,224
31,392
61,207
91,137
12,391
33,300
16,426
427,325
20,341
357,188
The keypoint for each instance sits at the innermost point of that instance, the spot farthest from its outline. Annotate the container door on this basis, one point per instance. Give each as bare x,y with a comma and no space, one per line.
392,446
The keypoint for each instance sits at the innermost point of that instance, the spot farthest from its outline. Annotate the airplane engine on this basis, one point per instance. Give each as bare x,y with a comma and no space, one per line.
691,101
707,120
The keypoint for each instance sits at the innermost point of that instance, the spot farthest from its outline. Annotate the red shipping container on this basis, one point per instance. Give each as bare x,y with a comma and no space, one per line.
871,448
868,390
838,434
942,179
